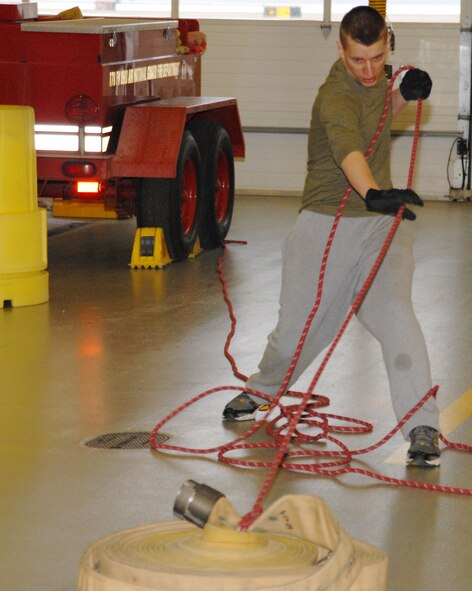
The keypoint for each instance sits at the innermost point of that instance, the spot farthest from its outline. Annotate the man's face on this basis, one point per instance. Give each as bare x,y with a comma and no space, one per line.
365,63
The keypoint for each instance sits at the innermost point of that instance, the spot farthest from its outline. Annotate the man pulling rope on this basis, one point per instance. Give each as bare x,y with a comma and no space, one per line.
345,117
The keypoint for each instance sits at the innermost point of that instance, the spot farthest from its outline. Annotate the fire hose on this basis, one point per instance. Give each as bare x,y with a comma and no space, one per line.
283,428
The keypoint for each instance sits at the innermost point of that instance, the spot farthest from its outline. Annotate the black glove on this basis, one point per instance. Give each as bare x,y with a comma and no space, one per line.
390,201
416,84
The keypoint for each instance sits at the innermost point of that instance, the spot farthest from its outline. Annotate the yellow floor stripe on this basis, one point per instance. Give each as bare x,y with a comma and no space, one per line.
450,418
456,413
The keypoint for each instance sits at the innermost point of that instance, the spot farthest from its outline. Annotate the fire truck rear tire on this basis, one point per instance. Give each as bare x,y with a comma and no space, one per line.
218,181
174,204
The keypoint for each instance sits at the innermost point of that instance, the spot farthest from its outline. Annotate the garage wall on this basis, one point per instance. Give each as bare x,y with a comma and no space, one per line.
275,69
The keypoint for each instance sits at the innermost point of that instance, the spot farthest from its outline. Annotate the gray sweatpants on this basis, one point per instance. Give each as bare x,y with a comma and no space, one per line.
386,311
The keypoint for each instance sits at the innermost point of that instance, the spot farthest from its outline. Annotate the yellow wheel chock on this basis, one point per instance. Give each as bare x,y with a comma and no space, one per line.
150,249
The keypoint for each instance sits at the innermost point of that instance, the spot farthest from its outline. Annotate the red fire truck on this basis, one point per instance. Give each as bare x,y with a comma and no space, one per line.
121,128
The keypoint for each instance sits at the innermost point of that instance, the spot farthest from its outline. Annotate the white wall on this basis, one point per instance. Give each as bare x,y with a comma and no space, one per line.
275,68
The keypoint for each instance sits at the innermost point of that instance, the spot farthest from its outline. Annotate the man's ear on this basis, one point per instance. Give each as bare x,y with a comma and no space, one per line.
340,49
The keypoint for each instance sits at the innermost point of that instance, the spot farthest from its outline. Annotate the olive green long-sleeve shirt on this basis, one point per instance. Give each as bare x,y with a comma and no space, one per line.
345,117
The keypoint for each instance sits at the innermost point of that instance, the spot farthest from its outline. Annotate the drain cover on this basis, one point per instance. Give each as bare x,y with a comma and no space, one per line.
125,440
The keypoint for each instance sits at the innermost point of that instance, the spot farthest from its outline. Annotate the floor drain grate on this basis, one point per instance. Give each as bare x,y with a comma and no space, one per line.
125,440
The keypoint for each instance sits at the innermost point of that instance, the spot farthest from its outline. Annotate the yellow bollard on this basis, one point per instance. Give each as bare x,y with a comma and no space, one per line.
24,280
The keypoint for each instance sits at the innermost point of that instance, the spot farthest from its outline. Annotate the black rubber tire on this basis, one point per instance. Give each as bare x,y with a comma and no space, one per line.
175,204
218,180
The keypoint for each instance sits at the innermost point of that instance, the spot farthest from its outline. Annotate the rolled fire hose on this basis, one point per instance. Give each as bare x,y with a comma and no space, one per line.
295,545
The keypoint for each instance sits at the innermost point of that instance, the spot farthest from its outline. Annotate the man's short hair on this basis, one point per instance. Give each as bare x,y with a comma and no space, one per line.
364,25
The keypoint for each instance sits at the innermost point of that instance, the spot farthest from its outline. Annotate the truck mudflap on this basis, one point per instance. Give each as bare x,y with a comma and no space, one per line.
151,134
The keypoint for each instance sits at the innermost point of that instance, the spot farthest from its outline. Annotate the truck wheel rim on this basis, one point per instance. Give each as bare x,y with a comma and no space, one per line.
189,197
222,188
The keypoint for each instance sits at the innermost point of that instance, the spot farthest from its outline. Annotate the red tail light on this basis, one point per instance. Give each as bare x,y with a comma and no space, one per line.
82,109
88,187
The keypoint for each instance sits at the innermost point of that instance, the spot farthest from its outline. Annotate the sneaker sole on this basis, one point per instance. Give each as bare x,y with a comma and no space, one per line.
422,461
241,418
258,414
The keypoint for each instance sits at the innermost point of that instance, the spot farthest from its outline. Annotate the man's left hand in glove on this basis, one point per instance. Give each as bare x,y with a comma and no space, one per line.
416,84
390,201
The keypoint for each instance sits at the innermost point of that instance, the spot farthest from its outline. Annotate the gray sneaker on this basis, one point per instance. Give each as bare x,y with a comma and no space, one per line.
241,408
424,448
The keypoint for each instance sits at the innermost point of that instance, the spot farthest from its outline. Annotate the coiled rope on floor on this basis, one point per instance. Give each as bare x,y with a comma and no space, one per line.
283,429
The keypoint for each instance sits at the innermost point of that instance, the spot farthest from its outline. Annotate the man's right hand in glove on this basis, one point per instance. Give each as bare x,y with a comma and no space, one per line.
390,201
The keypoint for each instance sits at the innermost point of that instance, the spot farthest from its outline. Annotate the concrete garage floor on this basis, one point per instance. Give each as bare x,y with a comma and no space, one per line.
117,349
